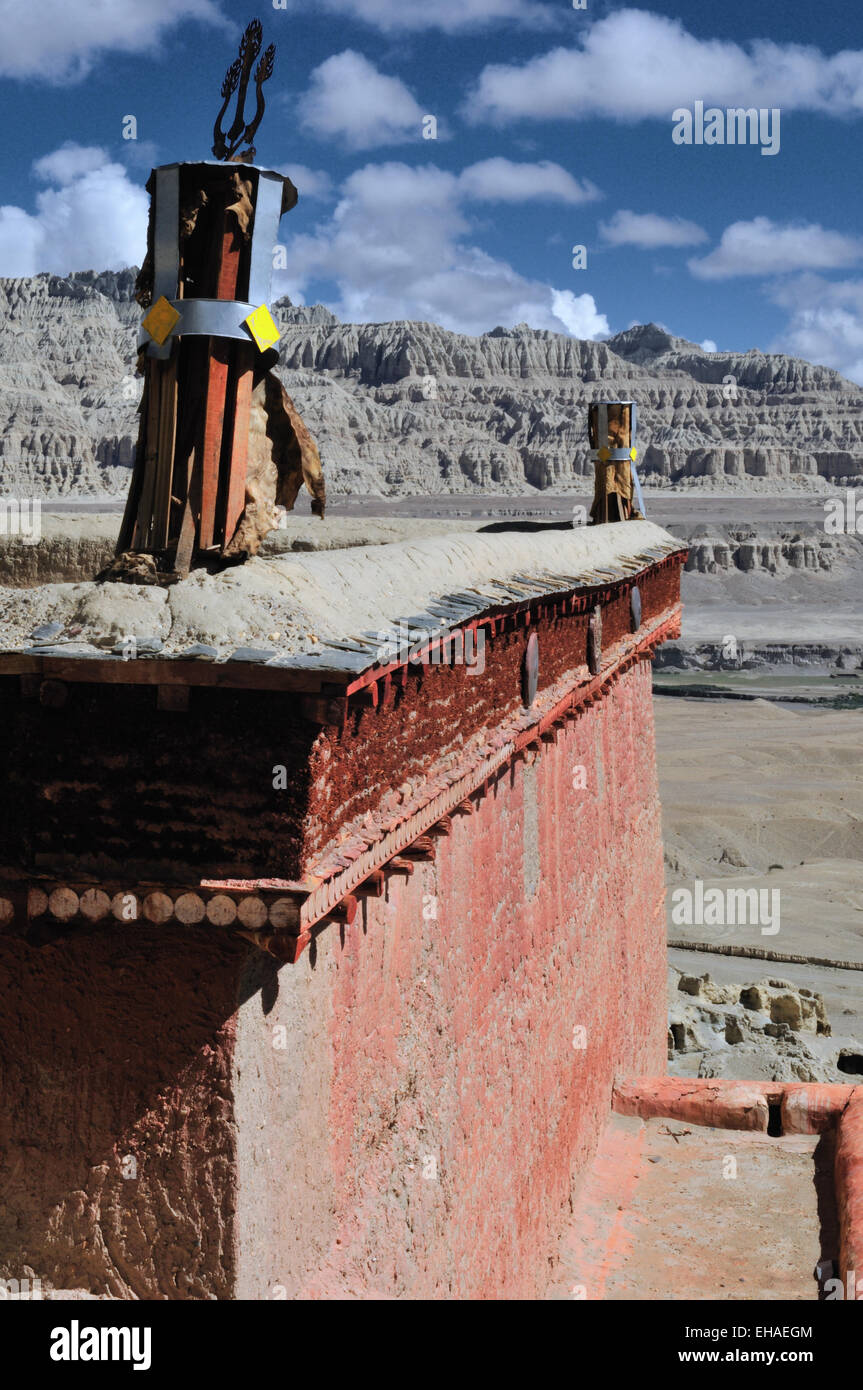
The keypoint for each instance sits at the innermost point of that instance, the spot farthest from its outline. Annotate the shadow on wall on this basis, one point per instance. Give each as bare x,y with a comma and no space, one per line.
117,1134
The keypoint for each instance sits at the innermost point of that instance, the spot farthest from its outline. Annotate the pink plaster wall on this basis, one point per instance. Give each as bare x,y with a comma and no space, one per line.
421,1134
402,1113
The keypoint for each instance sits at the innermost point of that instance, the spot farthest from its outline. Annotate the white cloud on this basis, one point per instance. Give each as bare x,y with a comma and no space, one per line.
309,183
502,180
60,40
762,247
139,154
825,323
92,218
648,230
632,65
450,16
397,247
20,242
69,162
708,345
350,101
578,314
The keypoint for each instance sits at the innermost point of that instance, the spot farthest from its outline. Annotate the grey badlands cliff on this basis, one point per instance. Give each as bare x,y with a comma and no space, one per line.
402,408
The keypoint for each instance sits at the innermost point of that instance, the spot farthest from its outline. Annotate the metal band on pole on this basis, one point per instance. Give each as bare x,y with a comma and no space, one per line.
211,318
265,229
208,318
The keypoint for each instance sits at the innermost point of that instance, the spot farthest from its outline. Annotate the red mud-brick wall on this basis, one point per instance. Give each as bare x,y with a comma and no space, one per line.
441,707
118,1169
403,1112
414,1110
111,785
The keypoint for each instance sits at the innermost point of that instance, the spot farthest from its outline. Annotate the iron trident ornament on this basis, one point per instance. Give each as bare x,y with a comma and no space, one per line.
225,146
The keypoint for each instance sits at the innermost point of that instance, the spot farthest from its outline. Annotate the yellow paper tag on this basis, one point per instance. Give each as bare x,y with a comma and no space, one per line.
160,320
604,454
262,328
633,454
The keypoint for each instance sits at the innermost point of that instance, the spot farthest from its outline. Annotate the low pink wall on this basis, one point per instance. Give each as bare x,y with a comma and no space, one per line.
805,1109
848,1172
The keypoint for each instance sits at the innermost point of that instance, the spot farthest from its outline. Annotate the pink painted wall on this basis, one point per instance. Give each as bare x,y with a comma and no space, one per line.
400,1114
420,1134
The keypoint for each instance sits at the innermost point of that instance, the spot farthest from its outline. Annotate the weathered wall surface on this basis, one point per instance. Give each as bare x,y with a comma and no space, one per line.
400,1114
117,1138
411,1108
108,785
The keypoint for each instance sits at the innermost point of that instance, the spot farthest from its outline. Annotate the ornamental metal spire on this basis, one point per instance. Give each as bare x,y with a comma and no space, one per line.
225,146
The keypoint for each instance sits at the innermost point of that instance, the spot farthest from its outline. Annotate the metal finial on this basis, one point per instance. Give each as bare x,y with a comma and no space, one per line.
225,145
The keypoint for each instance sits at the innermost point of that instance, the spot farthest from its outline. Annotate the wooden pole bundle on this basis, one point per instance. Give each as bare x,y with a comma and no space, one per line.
188,490
611,431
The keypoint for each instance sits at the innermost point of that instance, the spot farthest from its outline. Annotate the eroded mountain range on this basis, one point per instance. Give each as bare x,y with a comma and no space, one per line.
411,408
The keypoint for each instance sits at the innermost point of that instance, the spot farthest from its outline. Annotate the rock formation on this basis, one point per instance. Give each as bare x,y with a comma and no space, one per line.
770,1030
413,408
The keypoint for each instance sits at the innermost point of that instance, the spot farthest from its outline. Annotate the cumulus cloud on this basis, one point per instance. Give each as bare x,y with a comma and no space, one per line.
20,242
350,101
397,247
648,230
62,39
825,323
762,247
578,314
450,16
68,163
502,180
309,183
708,345
91,217
632,65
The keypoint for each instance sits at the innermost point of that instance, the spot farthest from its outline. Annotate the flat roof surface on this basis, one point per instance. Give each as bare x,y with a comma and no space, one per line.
325,613
671,1210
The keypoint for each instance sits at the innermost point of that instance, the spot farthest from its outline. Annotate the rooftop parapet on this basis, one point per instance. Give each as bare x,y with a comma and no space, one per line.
284,780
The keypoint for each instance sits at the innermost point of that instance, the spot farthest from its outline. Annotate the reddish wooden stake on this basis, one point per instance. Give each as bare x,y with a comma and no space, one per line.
214,423
217,383
238,454
145,511
167,442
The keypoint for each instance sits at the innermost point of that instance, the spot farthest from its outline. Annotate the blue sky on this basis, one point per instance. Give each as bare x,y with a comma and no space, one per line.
554,129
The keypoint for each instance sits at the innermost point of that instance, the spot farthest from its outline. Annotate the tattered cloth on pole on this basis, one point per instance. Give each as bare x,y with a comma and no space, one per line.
613,482
613,492
282,457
